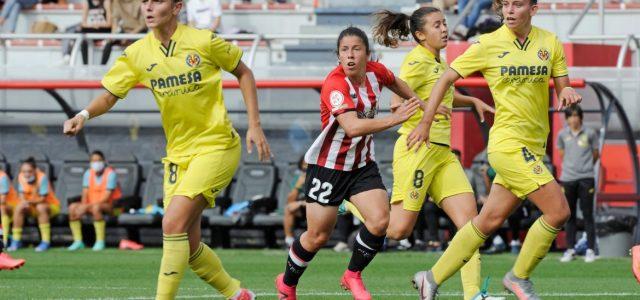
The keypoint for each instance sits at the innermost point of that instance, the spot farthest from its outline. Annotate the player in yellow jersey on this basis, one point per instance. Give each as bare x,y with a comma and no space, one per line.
517,60
182,68
435,170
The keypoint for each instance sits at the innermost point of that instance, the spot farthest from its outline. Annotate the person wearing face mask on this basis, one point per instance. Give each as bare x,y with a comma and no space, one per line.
100,190
37,200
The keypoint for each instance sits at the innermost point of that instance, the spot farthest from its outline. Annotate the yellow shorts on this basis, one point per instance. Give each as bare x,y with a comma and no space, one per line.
205,173
521,172
54,210
434,171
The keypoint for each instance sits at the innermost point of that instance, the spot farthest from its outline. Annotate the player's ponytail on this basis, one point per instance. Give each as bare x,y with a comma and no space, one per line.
391,28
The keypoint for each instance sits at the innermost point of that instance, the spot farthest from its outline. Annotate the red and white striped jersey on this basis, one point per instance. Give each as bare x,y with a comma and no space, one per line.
333,149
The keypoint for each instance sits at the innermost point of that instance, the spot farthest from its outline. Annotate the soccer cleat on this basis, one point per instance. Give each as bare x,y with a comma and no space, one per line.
484,294
342,208
635,261
244,294
425,284
522,288
98,246
285,292
9,263
130,245
14,246
43,246
568,255
352,281
590,256
76,245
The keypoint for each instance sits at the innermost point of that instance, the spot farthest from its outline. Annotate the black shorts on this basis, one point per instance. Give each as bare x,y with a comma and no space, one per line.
329,187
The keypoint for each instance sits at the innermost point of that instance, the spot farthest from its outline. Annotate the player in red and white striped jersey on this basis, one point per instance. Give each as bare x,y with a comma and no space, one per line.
342,162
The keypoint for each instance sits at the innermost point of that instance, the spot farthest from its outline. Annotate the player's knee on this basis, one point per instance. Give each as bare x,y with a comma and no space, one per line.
397,232
489,222
317,239
42,209
172,224
558,217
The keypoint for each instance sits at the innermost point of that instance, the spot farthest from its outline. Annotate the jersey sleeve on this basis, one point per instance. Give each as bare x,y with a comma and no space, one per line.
559,61
121,77
384,75
224,54
43,190
560,141
471,61
85,179
112,181
415,73
4,185
593,139
335,95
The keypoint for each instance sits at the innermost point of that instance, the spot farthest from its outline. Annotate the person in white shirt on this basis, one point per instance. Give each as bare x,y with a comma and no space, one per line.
204,14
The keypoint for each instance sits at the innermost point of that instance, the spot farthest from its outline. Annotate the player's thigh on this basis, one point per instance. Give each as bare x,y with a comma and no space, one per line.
461,208
181,213
550,199
499,205
321,219
521,172
106,208
401,220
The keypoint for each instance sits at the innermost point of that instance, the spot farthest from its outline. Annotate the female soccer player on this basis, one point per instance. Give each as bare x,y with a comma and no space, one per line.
36,199
181,65
431,170
342,165
517,61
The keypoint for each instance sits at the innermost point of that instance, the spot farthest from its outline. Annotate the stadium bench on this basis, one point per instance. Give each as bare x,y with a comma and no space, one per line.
290,174
4,165
69,183
152,193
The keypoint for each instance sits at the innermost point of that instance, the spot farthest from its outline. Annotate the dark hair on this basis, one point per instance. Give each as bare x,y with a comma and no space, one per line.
99,153
353,31
30,161
497,7
573,109
390,27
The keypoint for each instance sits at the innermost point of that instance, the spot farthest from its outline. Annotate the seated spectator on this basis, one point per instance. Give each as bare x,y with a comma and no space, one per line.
125,18
36,199
205,14
11,11
100,190
96,18
295,204
469,21
8,201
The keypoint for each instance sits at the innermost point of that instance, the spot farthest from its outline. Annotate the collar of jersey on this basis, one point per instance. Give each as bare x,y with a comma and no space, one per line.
509,35
168,52
427,53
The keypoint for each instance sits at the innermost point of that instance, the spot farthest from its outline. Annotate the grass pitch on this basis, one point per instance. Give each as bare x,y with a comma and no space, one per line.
114,274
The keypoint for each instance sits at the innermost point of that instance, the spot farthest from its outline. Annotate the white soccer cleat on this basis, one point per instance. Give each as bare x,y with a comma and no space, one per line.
590,256
568,255
521,288
425,284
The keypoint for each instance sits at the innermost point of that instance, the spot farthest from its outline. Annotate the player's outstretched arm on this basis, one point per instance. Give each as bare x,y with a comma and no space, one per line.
354,126
100,105
566,94
255,134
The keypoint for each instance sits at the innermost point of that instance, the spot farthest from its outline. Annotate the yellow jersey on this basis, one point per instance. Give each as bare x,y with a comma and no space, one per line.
421,70
186,81
518,75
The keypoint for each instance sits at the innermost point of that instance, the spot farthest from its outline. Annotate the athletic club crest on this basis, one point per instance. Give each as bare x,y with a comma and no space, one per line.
193,60
537,170
336,98
543,54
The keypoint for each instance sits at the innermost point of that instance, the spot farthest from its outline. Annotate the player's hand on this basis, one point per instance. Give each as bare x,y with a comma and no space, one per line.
72,126
443,110
482,108
568,96
418,136
405,110
256,136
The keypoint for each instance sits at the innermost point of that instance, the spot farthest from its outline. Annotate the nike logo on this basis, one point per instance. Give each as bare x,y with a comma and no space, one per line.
503,54
151,67
170,273
413,63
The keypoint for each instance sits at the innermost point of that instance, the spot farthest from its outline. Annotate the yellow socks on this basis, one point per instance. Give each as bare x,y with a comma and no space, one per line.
76,230
6,223
45,232
175,258
463,246
354,211
206,264
470,275
100,230
17,234
535,248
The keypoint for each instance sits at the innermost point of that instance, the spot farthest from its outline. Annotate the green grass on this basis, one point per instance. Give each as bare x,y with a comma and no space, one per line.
114,274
